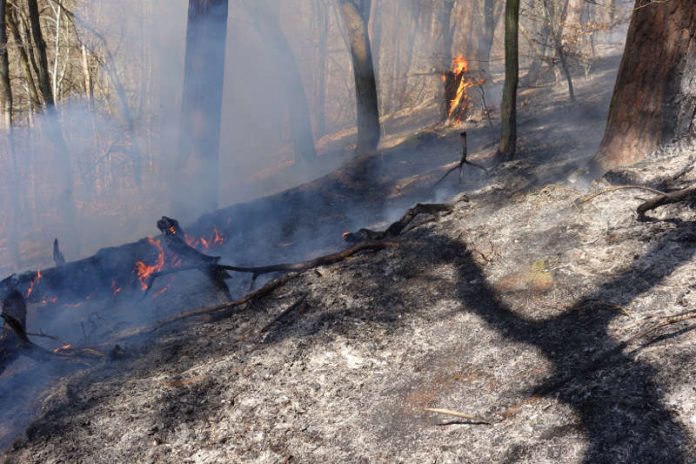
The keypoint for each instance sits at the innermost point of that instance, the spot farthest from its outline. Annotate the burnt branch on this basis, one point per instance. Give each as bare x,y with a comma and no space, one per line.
686,194
396,228
462,162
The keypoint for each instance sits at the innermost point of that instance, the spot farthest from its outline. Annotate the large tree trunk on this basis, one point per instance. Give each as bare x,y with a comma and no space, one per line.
508,107
204,74
654,98
356,17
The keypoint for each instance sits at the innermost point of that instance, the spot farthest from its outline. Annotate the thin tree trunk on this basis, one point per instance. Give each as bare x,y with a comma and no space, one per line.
66,200
447,37
204,75
322,17
300,124
22,41
654,98
40,47
508,107
7,111
356,17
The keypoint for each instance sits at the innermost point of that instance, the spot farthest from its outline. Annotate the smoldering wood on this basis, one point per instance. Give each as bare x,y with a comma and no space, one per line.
58,256
173,236
396,228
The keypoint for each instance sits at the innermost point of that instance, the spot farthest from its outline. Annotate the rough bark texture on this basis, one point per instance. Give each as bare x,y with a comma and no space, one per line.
202,101
355,15
655,94
40,46
508,107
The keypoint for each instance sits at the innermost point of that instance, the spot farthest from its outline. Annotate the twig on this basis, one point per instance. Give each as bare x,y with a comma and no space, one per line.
587,198
461,415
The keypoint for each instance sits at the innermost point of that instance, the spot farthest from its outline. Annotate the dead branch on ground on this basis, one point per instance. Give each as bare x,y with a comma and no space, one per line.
592,196
686,194
461,415
398,227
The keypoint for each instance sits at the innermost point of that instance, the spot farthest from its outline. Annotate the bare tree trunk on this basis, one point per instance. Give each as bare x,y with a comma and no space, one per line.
300,124
40,48
491,10
508,106
22,45
66,199
7,112
204,74
446,39
322,17
654,98
356,17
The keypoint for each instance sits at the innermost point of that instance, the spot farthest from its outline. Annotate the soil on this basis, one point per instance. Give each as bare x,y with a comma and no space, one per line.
512,309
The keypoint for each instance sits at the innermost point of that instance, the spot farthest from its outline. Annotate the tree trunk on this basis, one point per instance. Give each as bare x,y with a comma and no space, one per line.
23,50
508,106
40,47
446,39
356,17
7,111
300,124
654,98
202,102
66,200
491,11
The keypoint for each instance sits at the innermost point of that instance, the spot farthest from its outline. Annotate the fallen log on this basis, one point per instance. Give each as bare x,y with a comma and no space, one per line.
174,238
686,194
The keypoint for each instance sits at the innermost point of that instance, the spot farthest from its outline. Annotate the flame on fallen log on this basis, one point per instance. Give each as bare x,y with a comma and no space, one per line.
144,270
34,283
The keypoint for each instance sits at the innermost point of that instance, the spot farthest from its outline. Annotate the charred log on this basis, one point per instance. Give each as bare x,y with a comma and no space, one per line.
396,228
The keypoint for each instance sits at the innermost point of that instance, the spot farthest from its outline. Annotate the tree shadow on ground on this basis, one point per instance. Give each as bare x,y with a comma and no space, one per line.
621,408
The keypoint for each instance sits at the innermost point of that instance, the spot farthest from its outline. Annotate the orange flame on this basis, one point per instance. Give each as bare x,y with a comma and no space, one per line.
64,347
34,283
460,68
215,240
143,270
115,288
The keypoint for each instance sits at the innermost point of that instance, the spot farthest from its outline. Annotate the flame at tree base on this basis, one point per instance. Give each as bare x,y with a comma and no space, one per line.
458,81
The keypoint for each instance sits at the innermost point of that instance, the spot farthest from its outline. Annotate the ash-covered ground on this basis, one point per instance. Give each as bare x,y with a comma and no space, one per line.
512,308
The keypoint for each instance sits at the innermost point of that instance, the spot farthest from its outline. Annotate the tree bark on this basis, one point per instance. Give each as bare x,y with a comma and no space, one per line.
654,97
356,17
40,47
204,74
508,106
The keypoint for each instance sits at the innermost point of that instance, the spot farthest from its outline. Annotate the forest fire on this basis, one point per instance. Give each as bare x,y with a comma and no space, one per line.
143,270
215,240
457,82
34,283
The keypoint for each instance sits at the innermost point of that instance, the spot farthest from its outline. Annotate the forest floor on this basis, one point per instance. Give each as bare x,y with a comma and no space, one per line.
511,308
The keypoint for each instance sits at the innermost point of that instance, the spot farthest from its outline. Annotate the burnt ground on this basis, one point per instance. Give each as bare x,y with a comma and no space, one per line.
511,308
